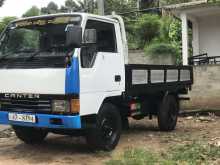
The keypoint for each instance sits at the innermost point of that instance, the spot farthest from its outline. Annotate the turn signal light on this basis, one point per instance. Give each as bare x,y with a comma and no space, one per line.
74,106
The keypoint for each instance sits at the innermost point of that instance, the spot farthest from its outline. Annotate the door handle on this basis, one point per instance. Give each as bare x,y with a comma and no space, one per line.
117,78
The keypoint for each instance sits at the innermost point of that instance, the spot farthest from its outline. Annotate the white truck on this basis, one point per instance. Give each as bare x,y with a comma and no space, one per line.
69,74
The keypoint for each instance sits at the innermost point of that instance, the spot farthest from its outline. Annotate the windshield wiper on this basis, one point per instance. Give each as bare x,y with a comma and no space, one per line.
19,51
34,55
39,51
25,51
5,56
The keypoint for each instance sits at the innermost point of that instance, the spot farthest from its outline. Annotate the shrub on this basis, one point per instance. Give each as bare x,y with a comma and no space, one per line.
147,28
160,49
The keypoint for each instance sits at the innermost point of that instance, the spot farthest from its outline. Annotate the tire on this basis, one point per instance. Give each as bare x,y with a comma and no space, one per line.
30,135
125,123
168,113
107,132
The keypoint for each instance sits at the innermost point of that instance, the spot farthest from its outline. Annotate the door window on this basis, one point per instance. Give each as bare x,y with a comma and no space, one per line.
106,42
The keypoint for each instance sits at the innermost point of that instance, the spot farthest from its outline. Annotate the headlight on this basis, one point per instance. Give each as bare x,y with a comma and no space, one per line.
60,106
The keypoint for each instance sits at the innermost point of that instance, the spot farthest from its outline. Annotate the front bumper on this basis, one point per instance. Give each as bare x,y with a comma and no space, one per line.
45,121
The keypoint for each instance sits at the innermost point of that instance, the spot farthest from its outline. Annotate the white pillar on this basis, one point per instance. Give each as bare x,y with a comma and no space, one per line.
185,40
138,4
101,7
196,50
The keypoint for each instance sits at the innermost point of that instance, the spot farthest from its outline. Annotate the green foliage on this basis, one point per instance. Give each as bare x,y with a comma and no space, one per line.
194,153
144,4
72,6
79,6
160,48
213,1
31,39
176,38
147,28
135,157
189,154
157,35
165,27
119,6
22,39
33,11
133,41
15,41
5,21
167,39
51,8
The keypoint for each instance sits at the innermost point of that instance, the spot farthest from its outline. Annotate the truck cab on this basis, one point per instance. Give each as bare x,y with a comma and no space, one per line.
69,73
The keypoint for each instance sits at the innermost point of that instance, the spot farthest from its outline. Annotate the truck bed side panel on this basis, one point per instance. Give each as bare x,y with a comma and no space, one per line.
150,79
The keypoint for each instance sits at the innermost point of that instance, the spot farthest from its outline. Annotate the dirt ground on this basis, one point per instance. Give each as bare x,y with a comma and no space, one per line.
143,134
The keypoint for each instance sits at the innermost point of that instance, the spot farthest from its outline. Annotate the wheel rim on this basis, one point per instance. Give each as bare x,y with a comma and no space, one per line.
108,130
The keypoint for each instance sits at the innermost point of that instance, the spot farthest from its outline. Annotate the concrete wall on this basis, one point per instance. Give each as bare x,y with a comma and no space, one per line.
209,35
205,92
139,57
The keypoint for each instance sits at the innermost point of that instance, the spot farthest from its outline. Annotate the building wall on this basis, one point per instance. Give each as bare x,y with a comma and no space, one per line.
139,57
209,35
205,92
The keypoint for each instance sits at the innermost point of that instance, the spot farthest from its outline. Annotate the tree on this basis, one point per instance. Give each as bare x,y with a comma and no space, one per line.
5,21
119,6
73,6
167,42
79,6
51,8
147,28
33,11
1,2
144,4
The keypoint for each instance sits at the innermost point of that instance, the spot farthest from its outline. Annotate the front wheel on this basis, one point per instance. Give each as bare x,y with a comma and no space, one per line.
30,135
168,113
106,134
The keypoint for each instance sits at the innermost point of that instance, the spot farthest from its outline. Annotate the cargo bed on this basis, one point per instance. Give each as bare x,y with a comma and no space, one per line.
149,79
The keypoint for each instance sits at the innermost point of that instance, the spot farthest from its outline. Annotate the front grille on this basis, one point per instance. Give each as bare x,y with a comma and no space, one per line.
21,105
36,62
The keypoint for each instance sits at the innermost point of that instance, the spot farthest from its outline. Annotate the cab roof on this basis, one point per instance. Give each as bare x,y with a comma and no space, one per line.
83,15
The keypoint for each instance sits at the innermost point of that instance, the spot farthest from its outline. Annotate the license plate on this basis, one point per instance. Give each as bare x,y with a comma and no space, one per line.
22,118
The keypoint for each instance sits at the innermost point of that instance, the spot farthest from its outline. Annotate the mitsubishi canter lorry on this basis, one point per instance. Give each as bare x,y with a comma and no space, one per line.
70,74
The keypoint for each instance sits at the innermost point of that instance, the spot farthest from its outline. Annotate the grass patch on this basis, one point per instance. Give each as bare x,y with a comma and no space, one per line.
135,157
189,154
194,153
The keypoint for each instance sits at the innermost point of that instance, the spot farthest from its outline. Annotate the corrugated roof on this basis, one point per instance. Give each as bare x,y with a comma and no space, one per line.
187,5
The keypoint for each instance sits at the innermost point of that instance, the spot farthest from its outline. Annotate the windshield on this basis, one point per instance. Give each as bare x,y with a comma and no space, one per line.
21,39
38,37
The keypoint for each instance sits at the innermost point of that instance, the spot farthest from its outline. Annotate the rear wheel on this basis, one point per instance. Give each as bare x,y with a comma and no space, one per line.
106,134
168,113
30,135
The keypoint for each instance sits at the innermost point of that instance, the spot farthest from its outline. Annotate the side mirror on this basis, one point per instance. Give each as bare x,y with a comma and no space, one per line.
73,36
90,36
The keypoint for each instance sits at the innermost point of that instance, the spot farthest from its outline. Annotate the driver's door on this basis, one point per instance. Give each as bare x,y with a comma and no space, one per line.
102,66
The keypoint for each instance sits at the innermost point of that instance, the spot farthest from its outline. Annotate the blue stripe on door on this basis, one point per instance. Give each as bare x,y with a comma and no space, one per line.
72,77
